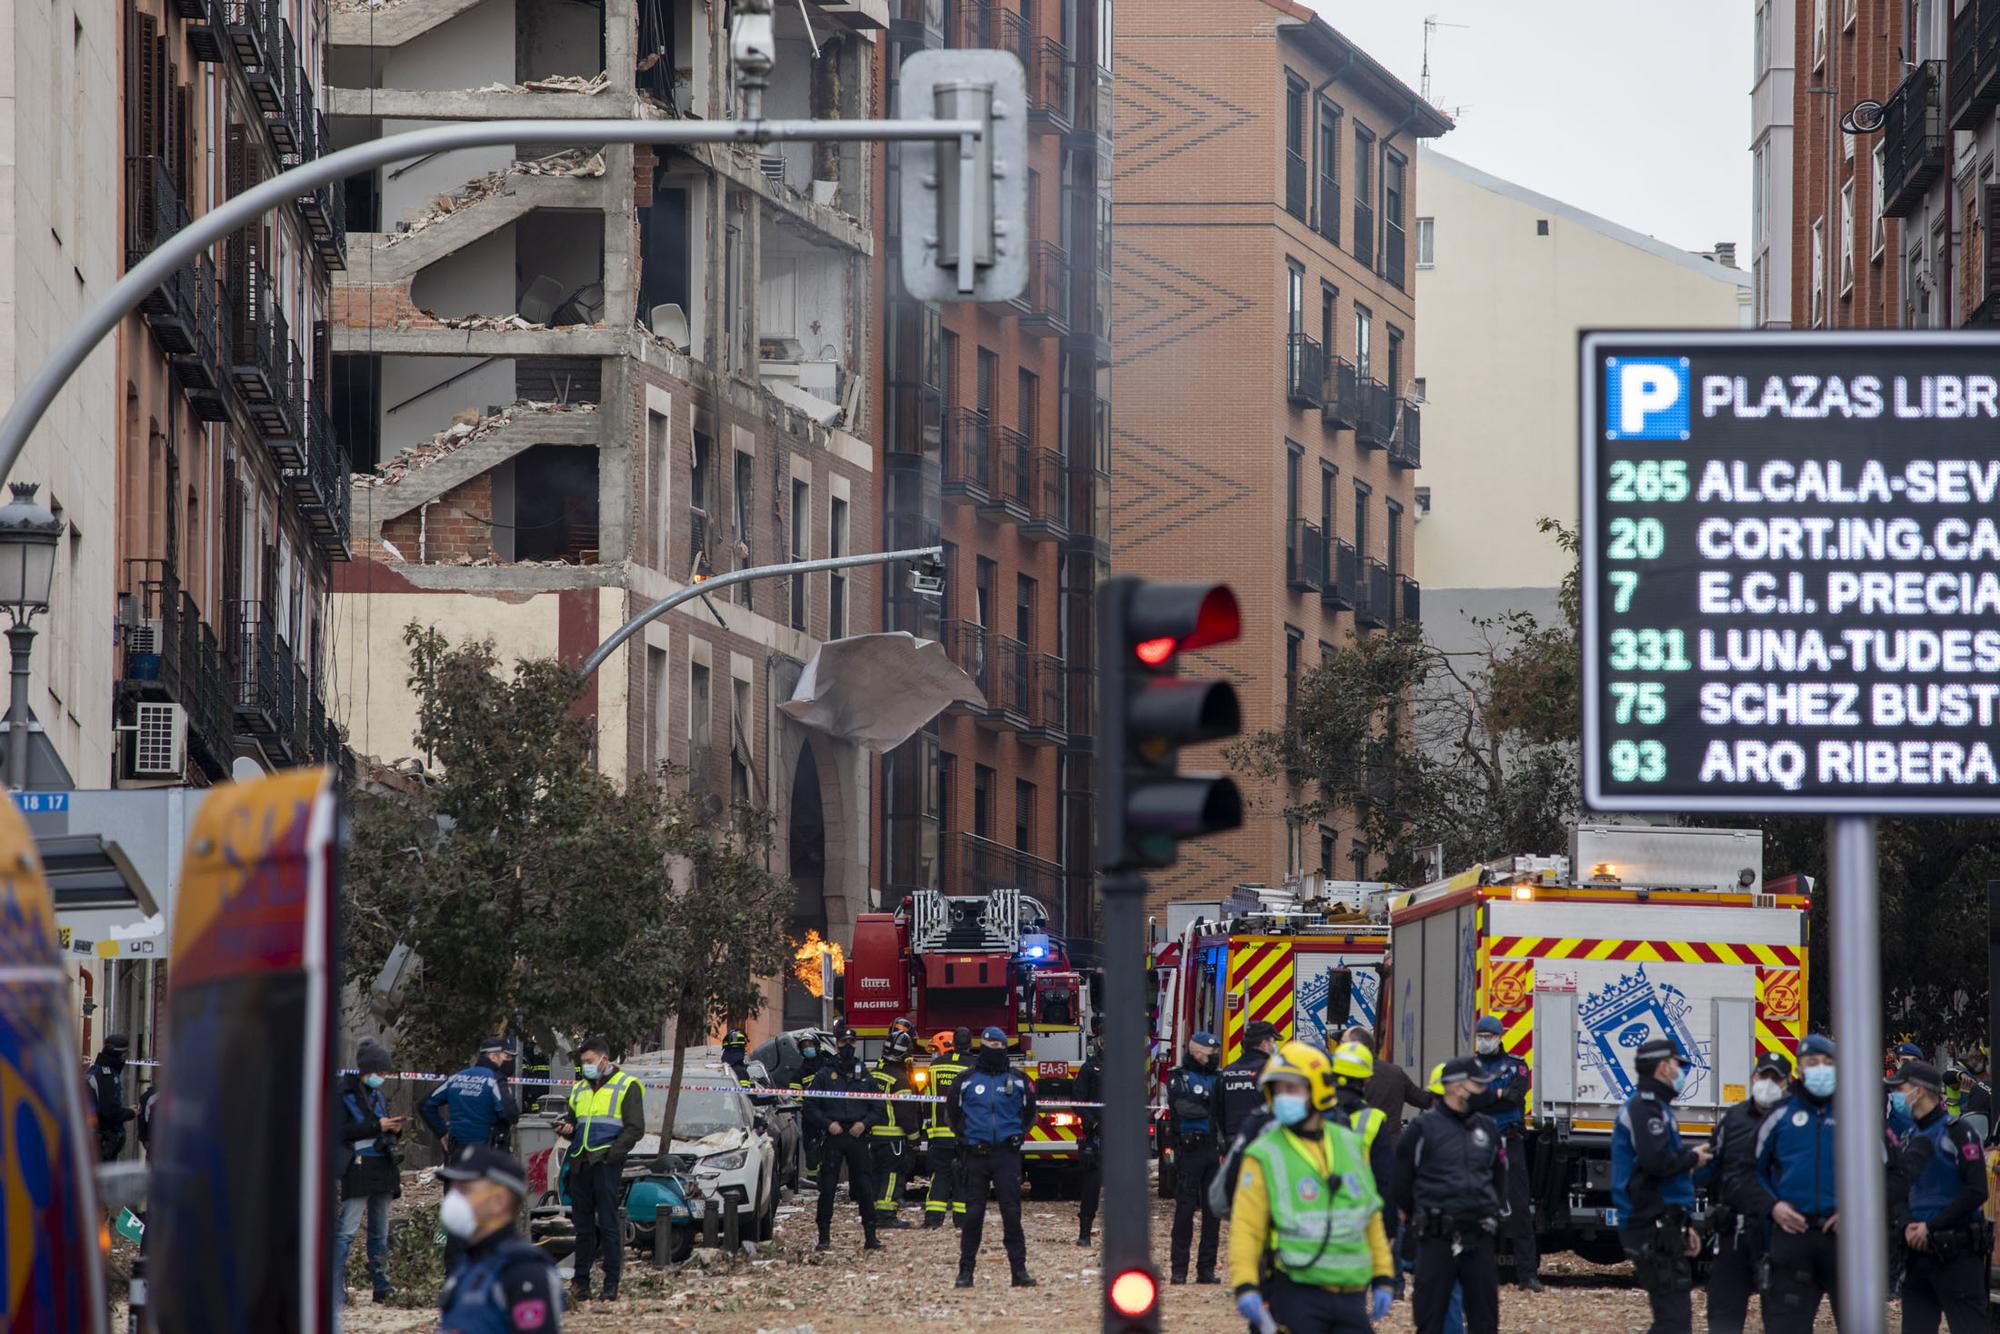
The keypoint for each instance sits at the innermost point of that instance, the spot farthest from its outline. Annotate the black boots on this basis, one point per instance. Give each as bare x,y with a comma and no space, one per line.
932,1220
874,1243
964,1277
1022,1278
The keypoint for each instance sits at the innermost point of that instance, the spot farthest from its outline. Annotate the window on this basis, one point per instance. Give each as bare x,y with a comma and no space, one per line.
741,728
1395,538
982,801
1294,456
1426,243
1027,395
1328,298
1818,266
1326,845
1024,609
836,586
987,381
698,487
1847,238
1361,520
1541,226
1329,171
1295,640
1393,170
1295,146
1819,34
1417,394
983,572
801,548
1395,377
1364,195
948,369
1761,39
701,711
1295,298
657,446
1846,146
1024,815
745,547
1327,472
1847,15
656,700
1364,328
1877,233
1760,184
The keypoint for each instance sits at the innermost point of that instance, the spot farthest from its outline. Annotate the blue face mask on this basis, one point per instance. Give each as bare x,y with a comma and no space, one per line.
1289,1108
1899,1104
1819,1081
372,1081
590,1069
1680,1080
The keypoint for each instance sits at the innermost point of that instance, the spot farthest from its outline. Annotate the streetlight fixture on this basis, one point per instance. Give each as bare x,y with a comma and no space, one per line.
29,534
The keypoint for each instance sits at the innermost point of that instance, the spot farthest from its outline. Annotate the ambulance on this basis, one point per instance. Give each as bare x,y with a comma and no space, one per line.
1640,932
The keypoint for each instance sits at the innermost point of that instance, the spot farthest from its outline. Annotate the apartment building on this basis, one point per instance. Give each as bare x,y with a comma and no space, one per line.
996,444
1772,92
231,485
1507,279
578,380
1268,429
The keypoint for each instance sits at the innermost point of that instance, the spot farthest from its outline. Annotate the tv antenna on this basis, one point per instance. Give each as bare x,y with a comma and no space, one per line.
1431,25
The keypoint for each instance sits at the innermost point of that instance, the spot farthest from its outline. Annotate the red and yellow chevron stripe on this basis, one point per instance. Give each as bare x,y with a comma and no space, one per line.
1520,1040
1259,987
1643,951
1510,986
1781,999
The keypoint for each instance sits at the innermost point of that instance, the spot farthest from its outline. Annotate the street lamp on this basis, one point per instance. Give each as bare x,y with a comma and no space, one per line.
28,538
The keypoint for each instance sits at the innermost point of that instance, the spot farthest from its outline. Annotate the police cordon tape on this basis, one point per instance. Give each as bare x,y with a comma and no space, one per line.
761,1089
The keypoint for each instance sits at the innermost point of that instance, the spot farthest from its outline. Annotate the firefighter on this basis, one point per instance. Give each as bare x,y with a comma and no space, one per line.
1795,1173
1194,1122
1970,1094
1089,1088
1451,1177
890,1137
941,1140
1306,1245
1652,1187
736,1055
991,1107
1353,1064
1241,1094
1390,1088
813,1044
1742,1229
1506,1101
1938,1189
843,1125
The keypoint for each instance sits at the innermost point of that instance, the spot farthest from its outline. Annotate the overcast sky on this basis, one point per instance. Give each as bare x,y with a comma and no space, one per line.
1636,110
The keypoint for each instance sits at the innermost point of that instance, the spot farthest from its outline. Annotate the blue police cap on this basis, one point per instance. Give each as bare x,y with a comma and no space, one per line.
1206,1039
1816,1044
1489,1023
992,1033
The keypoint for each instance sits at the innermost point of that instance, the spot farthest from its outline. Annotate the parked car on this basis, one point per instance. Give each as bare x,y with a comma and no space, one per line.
721,1143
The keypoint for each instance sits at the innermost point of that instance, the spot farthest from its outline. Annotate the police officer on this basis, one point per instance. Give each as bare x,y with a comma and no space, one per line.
1898,1118
1795,1156
842,1124
1506,1101
941,1141
1742,1228
1089,1087
1306,1245
1194,1122
1652,1187
500,1283
106,1079
1451,1176
991,1107
605,1118
1938,1188
891,1136
1241,1094
474,1106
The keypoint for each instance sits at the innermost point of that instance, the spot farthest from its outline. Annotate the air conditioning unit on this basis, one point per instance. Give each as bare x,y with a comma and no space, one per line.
159,741
145,636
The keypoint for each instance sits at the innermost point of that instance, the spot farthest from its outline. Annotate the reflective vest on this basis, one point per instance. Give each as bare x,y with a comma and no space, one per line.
900,1118
1319,1221
993,1108
599,1113
473,1302
1366,1123
944,1073
1937,1185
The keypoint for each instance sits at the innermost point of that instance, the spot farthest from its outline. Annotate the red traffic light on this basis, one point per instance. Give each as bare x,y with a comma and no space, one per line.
1165,619
1218,621
1155,652
1134,1292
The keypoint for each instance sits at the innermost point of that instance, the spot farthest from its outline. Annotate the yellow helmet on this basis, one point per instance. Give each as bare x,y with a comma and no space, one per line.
1437,1079
1305,1062
1351,1060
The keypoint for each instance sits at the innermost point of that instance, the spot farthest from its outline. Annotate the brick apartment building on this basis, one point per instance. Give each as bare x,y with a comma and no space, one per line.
995,444
1266,329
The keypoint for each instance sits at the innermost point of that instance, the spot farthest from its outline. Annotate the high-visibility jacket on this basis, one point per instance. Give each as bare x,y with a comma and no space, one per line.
944,1073
900,1119
599,1112
1319,1231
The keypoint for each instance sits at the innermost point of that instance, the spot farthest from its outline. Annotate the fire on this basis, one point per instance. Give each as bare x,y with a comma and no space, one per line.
805,963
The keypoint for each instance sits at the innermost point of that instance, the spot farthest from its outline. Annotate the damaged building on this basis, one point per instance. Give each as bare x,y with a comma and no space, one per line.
576,381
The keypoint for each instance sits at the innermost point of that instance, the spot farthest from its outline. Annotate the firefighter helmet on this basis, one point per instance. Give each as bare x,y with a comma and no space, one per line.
1353,1061
942,1043
1297,1060
736,1038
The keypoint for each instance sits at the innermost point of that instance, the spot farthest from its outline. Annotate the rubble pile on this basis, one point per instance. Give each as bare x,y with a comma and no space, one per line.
571,162
466,427
555,83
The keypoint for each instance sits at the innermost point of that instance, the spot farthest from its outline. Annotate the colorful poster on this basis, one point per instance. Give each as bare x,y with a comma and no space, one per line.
54,1270
241,1202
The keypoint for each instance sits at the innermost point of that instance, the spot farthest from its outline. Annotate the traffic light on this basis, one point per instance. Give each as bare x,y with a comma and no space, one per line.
964,220
1132,1300
1147,713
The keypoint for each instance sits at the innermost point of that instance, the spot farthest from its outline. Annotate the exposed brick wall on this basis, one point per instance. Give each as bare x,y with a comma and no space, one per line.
381,305
457,527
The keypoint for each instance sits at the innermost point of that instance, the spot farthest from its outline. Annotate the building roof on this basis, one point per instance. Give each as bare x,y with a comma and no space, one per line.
1361,69
1432,160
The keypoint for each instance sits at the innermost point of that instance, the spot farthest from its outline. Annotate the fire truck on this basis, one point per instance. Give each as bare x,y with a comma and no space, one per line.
1640,932
978,961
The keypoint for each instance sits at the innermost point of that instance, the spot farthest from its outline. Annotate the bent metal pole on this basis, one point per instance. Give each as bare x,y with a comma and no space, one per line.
233,214
1859,1176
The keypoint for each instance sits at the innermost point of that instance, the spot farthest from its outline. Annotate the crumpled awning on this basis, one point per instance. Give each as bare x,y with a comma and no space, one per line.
877,690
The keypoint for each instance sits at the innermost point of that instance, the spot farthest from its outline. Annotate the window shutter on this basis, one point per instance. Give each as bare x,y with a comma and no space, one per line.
1990,206
147,92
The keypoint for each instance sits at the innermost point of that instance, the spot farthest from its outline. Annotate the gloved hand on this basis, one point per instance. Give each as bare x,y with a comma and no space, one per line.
1379,1299
1250,1304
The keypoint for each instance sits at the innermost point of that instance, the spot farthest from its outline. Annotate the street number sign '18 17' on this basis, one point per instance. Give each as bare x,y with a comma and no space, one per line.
1791,572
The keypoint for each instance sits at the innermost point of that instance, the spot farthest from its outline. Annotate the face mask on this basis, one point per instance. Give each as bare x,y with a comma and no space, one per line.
992,1060
1289,1108
372,1081
1766,1092
1680,1080
847,1051
809,1054
1899,1104
457,1216
590,1069
1819,1081
1486,1046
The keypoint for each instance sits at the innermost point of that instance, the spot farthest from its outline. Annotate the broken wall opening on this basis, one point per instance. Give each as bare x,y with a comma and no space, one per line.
556,37
546,266
806,293
545,505
673,254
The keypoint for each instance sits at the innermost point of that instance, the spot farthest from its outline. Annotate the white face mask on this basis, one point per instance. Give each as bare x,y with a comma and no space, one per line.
1766,1092
457,1216
1486,1045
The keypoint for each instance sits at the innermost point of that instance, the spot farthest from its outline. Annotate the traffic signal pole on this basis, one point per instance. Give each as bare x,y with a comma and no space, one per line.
1127,1230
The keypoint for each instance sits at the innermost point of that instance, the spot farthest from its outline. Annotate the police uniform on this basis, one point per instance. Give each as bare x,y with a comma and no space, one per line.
1194,1112
1939,1180
473,1106
1089,1087
1451,1174
1742,1227
890,1137
106,1080
1652,1190
1239,1091
991,1107
833,1118
1795,1166
1506,1101
606,1117
941,1144
499,1284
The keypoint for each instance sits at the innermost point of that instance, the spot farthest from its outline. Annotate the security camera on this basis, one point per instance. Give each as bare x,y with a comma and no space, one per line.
927,577
753,40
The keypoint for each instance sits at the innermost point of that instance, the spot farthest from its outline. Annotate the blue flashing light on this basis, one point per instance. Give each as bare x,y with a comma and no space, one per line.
1036,947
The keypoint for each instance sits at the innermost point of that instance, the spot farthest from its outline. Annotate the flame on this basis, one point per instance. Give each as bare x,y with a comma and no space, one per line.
805,963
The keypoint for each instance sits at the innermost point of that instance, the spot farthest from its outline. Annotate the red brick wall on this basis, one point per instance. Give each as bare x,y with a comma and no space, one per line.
458,527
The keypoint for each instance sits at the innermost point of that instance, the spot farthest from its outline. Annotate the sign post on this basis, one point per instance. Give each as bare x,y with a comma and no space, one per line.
1791,605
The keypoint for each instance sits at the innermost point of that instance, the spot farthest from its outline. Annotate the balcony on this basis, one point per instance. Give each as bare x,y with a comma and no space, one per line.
999,665
987,23
321,487
207,29
1340,401
978,866
1411,612
246,21
1007,497
200,374
1375,607
1375,424
1048,701
1328,222
1405,449
262,361
1364,233
263,675
1974,83
1048,497
1295,184
153,214
172,654
1913,140
1342,584
1052,88
1393,266
1305,557
324,211
968,457
1044,304
1305,370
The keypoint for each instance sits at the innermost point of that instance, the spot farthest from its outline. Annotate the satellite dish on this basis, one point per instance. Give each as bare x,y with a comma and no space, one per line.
1863,118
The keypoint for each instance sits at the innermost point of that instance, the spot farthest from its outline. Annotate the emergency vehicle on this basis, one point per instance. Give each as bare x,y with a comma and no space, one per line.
980,960
1640,932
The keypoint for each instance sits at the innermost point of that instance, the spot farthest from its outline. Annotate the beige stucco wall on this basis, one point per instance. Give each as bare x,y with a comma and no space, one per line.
1501,311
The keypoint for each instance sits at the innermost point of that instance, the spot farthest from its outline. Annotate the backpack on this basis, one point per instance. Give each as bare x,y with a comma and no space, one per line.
1222,1190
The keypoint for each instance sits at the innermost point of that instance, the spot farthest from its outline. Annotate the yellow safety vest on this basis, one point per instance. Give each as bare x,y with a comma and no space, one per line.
944,1074
1319,1222
1367,1122
599,1112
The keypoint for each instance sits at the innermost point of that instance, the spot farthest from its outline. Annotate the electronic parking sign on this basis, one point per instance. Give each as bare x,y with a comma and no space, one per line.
1791,572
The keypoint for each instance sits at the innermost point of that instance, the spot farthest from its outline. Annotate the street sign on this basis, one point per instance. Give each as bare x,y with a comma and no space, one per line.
940,216
1791,572
41,803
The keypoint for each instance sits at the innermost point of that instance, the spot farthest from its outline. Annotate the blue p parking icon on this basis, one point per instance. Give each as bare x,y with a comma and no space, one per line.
1646,398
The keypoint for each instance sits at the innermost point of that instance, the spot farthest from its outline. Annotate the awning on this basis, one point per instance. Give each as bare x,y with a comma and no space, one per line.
104,909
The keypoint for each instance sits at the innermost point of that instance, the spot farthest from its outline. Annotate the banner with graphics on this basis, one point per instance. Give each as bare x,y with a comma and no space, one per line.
241,1201
48,1200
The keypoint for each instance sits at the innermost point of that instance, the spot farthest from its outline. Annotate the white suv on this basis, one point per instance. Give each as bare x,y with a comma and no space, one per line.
717,1142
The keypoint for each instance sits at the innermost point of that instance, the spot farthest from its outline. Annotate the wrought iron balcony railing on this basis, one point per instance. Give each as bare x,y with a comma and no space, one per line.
1913,139
1305,557
1305,370
1342,586
1340,402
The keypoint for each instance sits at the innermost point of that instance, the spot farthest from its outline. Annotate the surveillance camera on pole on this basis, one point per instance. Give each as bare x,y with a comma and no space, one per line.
965,203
